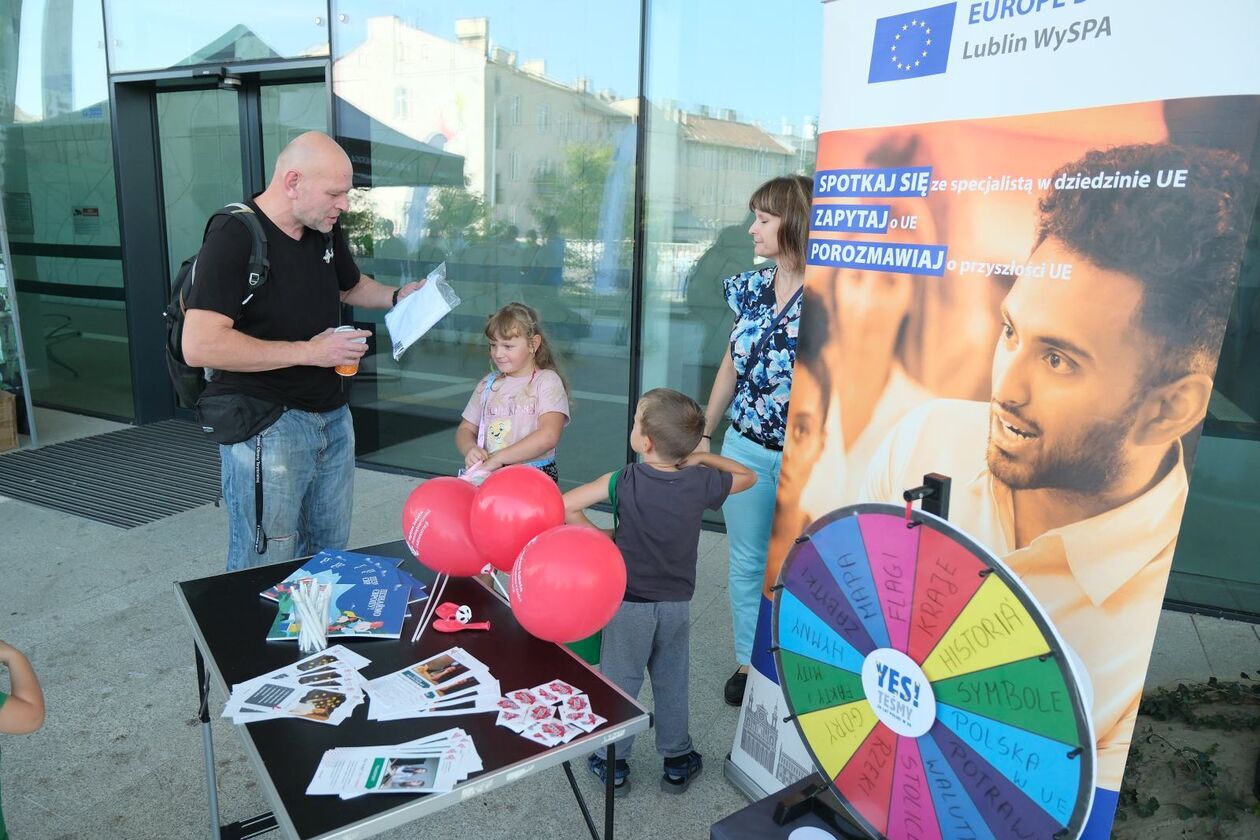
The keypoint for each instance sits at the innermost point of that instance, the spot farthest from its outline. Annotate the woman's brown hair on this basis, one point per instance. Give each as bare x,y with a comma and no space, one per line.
788,198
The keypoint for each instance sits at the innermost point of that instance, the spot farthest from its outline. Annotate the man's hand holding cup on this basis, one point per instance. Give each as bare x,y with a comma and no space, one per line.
340,348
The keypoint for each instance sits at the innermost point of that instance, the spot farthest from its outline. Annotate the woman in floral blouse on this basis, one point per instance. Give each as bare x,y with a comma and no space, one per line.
754,381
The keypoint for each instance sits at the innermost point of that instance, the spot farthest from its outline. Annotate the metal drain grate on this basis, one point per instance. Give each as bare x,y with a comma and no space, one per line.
125,478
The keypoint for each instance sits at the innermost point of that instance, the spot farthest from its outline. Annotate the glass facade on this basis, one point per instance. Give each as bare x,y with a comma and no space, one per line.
155,34
1215,561
287,110
199,145
523,185
716,130
61,208
592,158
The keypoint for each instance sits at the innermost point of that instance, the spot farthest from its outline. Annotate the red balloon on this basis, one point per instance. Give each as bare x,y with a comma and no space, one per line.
512,506
567,583
435,526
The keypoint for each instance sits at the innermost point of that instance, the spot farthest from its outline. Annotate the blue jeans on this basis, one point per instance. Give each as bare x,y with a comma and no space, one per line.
308,487
748,518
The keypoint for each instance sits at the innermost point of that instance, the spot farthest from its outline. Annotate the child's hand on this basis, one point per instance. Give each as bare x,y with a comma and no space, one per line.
475,455
695,459
7,653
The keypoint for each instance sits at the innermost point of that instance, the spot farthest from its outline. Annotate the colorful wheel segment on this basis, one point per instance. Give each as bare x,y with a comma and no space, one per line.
927,684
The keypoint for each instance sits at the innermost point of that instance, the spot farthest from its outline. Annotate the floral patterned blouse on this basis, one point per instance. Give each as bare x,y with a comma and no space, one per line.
759,409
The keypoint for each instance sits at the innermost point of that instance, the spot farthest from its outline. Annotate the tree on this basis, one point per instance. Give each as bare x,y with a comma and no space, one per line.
573,194
456,213
358,222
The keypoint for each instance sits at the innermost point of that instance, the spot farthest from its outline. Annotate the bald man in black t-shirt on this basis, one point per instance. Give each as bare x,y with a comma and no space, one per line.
281,347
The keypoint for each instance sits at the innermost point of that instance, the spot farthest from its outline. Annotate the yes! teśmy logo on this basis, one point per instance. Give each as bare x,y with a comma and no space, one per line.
912,45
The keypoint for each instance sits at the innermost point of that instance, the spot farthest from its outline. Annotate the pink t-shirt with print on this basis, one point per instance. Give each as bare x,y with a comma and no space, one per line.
513,407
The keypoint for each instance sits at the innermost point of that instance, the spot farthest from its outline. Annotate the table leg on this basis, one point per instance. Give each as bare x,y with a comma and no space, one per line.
581,801
207,742
610,793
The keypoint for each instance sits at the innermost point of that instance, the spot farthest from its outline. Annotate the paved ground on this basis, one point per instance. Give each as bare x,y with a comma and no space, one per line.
120,755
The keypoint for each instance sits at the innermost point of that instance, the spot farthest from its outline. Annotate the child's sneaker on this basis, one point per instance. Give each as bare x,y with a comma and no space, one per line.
621,773
680,771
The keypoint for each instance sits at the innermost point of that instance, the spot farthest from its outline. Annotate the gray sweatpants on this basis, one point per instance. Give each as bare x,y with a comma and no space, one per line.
654,637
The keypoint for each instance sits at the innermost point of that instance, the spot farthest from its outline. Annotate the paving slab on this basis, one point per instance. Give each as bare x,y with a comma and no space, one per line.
1178,655
1232,647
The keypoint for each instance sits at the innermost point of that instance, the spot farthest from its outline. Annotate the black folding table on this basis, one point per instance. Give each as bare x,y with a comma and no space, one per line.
230,621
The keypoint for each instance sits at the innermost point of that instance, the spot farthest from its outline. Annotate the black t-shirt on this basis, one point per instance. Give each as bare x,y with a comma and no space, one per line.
658,527
300,299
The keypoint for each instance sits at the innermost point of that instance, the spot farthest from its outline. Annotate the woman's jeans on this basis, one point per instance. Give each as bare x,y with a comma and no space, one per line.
748,518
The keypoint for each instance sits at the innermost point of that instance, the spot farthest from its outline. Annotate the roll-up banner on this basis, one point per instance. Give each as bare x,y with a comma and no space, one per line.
1027,227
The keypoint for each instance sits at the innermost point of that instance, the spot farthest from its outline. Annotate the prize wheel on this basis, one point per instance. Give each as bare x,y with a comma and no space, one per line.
927,685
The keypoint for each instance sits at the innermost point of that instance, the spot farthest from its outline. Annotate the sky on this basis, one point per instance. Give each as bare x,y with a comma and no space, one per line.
735,54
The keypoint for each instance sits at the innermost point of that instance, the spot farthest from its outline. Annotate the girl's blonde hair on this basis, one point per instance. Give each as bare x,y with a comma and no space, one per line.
519,320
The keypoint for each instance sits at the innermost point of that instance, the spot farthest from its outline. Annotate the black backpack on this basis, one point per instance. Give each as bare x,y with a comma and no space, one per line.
190,381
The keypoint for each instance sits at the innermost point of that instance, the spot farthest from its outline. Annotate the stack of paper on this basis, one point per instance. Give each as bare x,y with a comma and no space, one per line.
552,713
324,687
370,596
453,682
426,765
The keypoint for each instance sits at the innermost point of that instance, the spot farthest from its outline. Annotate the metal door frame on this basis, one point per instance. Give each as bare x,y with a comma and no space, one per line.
141,220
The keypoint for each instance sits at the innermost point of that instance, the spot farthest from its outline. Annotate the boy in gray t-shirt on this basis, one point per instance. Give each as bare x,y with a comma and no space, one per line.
658,505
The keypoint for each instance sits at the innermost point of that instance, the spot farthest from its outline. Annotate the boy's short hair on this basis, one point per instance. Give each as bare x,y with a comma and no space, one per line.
672,420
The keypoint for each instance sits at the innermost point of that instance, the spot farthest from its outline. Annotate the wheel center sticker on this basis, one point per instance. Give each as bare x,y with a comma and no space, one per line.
898,692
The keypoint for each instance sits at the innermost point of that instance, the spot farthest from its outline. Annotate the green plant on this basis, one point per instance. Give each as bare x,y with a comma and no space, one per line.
1211,796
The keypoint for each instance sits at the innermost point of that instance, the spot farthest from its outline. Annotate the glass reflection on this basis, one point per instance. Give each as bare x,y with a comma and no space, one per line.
487,150
199,143
153,34
61,209
1214,564
717,128
287,111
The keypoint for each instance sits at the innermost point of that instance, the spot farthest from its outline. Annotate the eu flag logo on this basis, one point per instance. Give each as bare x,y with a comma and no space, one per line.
912,45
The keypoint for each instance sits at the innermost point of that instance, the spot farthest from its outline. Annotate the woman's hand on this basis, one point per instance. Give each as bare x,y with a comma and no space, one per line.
701,447
475,455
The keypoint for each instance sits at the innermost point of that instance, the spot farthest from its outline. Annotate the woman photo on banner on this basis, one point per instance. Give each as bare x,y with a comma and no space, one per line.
854,380
754,382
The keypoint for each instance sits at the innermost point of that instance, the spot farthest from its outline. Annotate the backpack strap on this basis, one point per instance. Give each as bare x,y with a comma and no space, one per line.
485,396
257,270
612,495
258,266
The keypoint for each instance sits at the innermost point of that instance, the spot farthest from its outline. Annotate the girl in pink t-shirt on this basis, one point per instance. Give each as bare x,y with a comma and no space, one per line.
518,411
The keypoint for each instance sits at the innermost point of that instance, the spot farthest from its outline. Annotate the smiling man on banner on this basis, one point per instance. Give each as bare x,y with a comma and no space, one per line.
1074,471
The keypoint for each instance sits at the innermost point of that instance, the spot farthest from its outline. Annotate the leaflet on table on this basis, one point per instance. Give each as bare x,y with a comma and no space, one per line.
327,567
451,682
370,597
532,713
433,764
325,687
